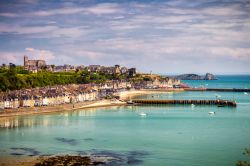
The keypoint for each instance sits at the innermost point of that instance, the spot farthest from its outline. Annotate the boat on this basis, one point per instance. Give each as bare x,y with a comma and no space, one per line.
192,105
220,106
142,114
211,113
245,93
130,102
218,96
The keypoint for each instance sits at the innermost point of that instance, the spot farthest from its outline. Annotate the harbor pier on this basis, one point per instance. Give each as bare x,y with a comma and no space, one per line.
218,89
186,102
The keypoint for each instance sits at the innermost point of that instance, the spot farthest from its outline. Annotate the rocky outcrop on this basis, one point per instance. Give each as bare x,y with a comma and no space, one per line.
208,76
189,77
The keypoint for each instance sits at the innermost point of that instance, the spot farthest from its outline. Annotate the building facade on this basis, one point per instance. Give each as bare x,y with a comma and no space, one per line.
33,65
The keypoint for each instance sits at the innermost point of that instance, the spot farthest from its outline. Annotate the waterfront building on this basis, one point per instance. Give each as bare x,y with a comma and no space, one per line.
93,68
117,69
132,72
1,104
124,70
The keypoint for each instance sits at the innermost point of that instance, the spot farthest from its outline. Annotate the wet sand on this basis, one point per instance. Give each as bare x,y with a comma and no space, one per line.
18,160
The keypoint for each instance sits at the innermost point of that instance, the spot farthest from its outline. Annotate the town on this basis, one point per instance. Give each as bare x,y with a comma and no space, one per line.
74,93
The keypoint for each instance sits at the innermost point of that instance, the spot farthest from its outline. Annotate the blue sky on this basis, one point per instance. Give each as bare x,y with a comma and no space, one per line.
171,36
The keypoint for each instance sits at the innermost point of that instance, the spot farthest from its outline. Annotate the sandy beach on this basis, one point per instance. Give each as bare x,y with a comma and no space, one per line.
127,95
59,108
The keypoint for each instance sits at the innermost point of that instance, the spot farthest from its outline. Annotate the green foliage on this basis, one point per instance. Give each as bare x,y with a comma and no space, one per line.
17,77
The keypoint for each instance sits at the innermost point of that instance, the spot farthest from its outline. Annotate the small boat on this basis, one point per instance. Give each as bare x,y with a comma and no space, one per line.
245,93
211,113
142,114
220,106
192,105
218,96
130,102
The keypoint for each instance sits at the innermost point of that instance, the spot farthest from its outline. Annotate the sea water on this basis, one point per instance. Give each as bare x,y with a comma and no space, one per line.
222,81
168,135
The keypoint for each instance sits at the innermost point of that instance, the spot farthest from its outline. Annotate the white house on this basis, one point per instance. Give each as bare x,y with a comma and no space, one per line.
45,101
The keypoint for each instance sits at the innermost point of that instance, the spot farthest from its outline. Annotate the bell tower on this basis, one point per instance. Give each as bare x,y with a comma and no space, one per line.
25,61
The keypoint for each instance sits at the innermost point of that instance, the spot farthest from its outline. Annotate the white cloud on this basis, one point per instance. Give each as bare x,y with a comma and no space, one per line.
9,57
92,55
29,49
106,8
9,15
181,32
45,31
40,54
7,28
103,8
242,53
72,32
223,11
32,53
60,11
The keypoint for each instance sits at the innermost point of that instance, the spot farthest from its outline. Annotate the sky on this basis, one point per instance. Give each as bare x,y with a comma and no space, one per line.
170,36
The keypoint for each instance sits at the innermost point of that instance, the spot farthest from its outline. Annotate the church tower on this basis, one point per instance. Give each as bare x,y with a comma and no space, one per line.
25,61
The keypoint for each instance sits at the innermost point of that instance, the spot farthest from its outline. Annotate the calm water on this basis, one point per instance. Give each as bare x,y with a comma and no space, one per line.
169,135
226,81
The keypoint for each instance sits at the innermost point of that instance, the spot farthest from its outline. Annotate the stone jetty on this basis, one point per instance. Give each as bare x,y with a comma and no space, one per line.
196,102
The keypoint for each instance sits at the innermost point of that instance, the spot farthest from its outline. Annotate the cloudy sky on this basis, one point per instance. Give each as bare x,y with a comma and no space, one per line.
170,36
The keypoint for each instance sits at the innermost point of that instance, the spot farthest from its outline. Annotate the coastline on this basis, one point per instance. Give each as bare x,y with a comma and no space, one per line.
32,160
58,108
126,95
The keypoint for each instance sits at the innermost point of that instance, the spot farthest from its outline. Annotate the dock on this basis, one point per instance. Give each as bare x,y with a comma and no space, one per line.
188,102
218,89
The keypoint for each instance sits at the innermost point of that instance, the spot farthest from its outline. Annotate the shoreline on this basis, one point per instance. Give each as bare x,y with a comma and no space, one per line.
18,160
81,105
126,95
58,108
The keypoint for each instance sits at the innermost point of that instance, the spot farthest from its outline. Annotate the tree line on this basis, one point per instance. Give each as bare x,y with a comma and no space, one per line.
15,77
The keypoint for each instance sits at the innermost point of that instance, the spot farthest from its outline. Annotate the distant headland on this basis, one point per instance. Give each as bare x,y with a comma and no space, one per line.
208,76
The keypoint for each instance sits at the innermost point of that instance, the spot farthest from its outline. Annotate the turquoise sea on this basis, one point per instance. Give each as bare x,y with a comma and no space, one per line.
168,135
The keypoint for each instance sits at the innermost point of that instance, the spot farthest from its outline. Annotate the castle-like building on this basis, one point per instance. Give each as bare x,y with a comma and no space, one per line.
33,64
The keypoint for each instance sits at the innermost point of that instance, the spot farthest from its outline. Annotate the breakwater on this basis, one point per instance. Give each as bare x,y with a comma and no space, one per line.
218,89
196,102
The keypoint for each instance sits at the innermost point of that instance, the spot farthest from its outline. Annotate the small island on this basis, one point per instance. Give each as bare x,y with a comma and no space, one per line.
208,76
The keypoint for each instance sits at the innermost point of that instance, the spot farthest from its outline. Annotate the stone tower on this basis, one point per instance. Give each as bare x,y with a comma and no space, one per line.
117,69
25,61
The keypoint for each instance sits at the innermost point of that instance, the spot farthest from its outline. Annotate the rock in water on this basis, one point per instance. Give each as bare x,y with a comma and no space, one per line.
189,77
67,160
209,76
